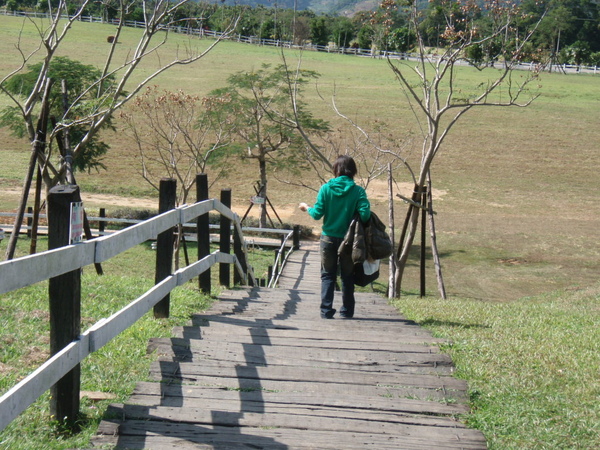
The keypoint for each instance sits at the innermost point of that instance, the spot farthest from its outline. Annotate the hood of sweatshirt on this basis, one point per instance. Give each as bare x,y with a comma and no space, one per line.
340,186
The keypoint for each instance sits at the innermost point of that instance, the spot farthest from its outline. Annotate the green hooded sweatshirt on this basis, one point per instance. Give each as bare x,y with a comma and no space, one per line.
337,201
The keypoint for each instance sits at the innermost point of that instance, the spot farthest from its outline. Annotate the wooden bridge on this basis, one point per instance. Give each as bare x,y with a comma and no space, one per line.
261,369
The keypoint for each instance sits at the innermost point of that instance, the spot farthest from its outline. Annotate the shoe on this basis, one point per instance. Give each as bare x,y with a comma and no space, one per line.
329,314
346,316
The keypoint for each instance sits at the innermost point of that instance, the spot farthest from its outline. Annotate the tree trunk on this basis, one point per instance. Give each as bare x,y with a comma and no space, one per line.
262,222
407,238
37,147
434,249
36,212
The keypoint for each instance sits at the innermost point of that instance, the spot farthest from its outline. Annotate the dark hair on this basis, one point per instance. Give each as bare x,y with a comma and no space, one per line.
344,165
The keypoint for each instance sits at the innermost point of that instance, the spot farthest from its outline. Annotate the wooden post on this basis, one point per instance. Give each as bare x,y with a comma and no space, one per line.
164,244
296,237
29,221
203,231
239,253
423,235
392,260
102,223
225,239
65,305
432,235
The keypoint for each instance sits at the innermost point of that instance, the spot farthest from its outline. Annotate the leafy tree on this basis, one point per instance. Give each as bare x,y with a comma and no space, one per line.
365,36
343,32
319,30
78,77
401,39
264,111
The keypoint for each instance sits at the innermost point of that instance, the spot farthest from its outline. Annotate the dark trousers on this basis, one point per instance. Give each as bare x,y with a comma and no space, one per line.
330,263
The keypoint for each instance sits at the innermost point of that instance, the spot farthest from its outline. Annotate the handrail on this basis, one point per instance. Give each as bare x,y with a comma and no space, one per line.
276,274
22,272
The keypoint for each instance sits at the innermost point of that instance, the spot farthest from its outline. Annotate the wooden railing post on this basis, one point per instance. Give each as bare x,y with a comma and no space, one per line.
102,223
203,231
225,239
296,237
64,293
239,253
164,244
29,221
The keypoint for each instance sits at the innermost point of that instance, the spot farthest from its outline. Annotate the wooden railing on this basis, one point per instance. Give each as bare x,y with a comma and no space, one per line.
56,263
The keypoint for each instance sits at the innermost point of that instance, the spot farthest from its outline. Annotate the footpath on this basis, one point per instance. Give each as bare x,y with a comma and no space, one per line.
262,370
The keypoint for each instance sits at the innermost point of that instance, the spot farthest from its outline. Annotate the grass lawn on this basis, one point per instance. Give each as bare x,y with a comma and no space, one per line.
517,197
532,365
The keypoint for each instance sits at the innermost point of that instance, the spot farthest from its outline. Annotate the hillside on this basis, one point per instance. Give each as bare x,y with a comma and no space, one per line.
341,7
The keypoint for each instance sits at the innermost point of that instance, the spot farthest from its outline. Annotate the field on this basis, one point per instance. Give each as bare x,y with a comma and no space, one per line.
518,211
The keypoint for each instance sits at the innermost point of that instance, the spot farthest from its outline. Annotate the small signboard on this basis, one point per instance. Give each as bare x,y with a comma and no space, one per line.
257,200
76,227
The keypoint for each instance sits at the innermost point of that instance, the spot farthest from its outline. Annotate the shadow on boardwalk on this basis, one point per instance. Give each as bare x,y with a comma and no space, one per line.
261,369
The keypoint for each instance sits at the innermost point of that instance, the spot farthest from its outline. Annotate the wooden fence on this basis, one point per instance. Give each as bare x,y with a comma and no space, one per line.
60,262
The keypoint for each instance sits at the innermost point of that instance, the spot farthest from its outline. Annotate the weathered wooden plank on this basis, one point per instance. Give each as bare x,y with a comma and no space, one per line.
314,388
281,411
317,324
109,246
31,269
241,333
232,360
153,394
298,418
404,362
157,434
170,369
301,339
311,347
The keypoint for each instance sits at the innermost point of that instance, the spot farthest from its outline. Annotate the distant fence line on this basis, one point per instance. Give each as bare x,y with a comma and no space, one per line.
332,48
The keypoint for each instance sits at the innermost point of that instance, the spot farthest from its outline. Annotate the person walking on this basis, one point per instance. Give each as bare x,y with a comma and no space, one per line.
337,202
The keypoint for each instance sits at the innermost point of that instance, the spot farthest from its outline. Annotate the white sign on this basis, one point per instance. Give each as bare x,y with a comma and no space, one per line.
76,227
258,200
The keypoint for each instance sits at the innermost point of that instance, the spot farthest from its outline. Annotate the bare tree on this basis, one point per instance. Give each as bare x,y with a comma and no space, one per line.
109,98
177,138
435,99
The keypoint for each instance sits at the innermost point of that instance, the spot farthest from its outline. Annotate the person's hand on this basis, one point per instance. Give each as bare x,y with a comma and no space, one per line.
303,206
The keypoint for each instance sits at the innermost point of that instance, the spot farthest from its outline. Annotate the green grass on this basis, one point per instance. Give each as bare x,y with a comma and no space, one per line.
532,365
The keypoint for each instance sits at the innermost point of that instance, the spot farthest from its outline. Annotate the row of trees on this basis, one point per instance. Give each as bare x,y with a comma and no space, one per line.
569,30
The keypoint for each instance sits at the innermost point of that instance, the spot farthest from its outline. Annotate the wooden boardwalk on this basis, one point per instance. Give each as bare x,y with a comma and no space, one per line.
261,369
